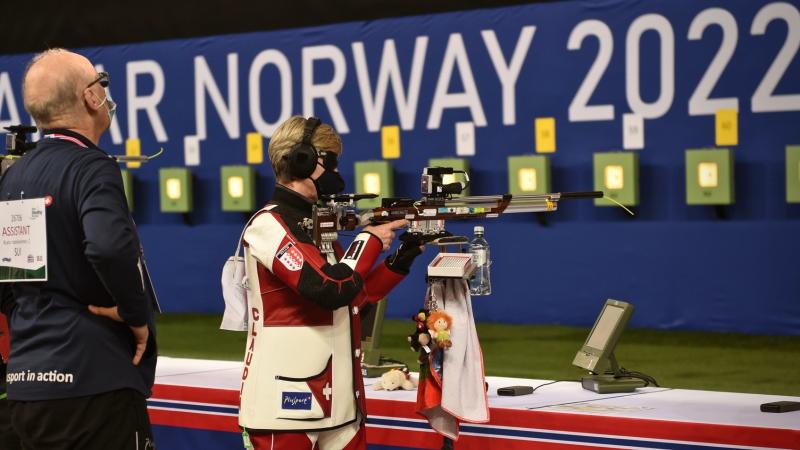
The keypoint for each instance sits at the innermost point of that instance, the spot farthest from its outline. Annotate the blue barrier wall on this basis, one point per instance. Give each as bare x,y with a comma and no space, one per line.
682,266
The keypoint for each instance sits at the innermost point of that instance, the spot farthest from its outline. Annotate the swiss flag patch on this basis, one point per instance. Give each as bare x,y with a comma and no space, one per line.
321,387
290,257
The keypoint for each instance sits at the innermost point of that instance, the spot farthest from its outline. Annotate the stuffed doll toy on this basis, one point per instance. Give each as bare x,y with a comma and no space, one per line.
395,379
439,323
420,338
420,319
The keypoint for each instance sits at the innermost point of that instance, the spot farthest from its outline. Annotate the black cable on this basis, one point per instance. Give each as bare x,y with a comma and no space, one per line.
650,380
638,375
605,397
553,382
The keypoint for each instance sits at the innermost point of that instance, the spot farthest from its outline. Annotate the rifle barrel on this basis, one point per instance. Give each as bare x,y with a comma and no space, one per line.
479,206
589,194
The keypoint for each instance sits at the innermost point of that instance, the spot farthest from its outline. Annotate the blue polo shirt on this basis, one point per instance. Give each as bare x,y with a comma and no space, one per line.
58,348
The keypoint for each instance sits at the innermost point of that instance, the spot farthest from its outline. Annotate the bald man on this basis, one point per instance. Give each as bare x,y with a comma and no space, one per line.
83,351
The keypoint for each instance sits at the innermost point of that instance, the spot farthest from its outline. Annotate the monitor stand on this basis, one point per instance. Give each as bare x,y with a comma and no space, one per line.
611,382
372,362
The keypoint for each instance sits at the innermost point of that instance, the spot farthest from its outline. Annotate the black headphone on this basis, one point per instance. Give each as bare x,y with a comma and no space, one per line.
303,156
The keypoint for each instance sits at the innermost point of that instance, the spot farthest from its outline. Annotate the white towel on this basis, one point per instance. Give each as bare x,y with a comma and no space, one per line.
463,383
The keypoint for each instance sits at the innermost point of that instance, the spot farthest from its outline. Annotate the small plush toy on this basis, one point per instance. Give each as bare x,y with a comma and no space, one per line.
420,338
395,379
420,318
439,323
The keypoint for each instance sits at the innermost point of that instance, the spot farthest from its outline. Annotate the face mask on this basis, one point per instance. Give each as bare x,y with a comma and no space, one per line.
329,183
111,107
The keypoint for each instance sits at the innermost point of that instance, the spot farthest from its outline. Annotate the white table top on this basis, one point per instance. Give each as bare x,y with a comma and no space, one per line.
724,408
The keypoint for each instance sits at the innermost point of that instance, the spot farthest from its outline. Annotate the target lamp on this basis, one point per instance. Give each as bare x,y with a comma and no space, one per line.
793,174
176,190
528,175
374,177
238,188
617,175
127,185
709,177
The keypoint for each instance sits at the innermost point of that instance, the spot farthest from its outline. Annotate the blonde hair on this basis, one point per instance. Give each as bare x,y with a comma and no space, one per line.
290,133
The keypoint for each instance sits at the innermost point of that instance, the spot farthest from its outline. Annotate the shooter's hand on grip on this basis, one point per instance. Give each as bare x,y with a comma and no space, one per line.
411,246
385,232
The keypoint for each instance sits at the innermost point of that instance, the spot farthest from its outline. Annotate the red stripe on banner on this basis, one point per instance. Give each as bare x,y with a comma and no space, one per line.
648,428
389,408
404,438
194,420
227,397
542,420
616,426
429,440
483,443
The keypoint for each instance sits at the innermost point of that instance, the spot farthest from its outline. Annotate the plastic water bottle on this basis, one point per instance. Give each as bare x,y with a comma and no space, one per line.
481,283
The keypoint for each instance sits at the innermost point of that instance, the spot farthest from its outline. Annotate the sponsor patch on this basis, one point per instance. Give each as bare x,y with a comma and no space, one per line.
290,257
354,251
296,400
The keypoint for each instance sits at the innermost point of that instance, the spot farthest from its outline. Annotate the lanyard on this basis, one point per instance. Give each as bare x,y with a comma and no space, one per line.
66,138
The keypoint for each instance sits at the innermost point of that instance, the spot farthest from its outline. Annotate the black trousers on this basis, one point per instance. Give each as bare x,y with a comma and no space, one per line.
8,438
114,420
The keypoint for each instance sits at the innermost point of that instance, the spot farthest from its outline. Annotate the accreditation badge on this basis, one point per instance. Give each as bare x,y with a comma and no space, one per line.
23,241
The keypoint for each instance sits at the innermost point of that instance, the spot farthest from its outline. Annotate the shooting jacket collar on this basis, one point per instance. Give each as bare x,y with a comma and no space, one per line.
69,133
291,200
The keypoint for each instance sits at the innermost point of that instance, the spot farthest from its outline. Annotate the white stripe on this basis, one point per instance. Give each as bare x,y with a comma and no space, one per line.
392,427
608,436
209,413
402,419
183,402
562,442
564,433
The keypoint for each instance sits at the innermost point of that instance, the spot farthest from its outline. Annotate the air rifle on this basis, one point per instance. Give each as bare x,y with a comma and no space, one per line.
17,145
136,158
427,216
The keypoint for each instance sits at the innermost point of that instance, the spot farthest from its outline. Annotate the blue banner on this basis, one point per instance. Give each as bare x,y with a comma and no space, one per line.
670,64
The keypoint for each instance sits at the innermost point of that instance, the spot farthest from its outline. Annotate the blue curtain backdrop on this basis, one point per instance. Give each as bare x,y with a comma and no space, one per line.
682,266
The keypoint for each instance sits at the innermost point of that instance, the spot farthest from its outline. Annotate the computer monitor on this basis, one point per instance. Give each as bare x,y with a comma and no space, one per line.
597,353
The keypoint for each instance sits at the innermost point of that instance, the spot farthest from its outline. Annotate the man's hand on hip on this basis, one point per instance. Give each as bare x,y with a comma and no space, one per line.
140,334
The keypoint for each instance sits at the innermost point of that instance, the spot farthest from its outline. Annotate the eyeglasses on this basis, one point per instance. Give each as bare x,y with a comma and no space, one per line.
102,78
